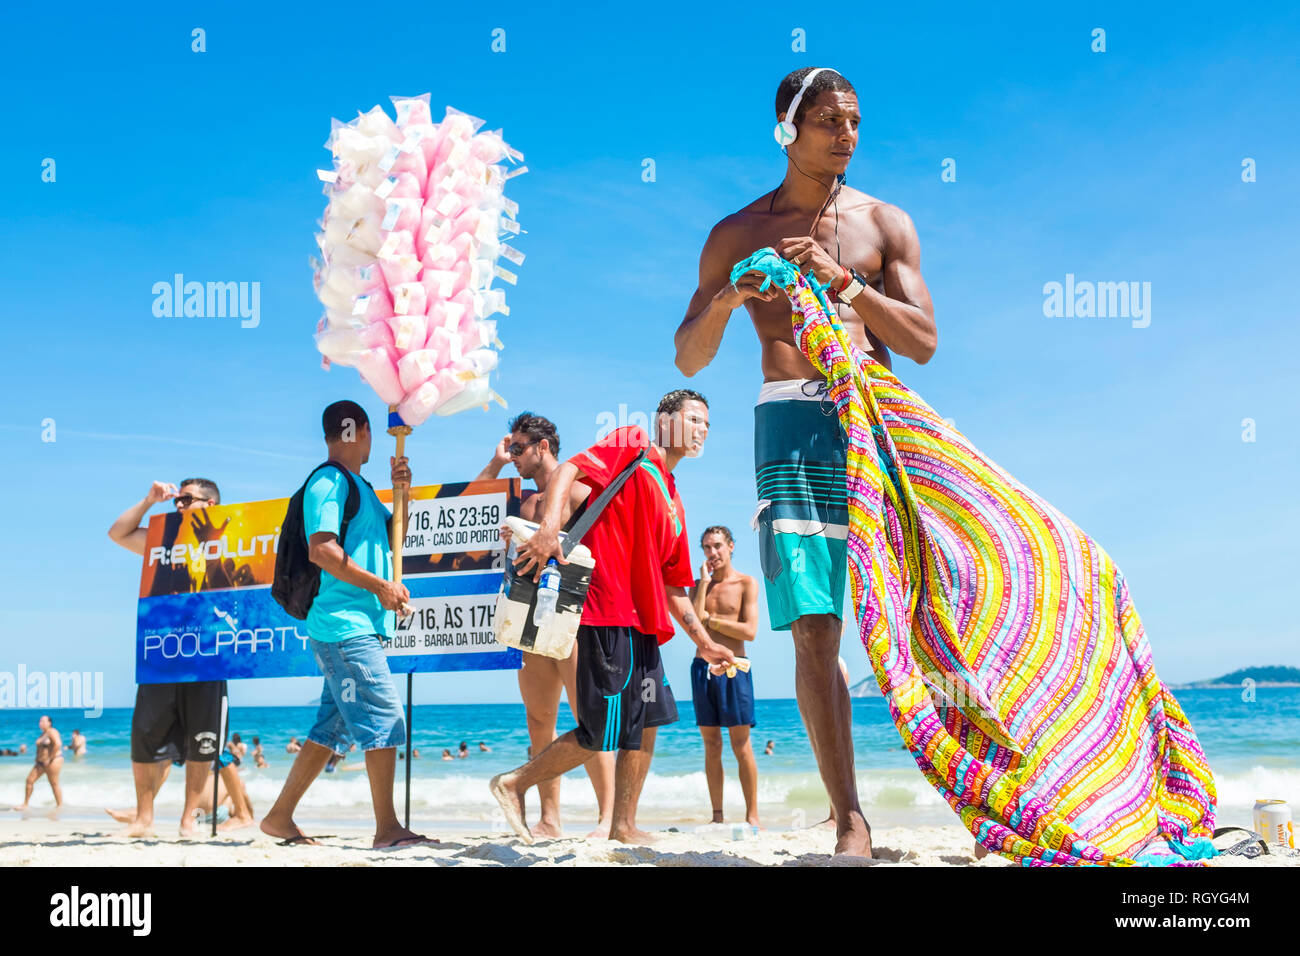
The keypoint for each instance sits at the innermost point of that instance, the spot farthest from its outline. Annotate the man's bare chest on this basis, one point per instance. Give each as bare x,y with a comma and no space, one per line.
724,599
857,243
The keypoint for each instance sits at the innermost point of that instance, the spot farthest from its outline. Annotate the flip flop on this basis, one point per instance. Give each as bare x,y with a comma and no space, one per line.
410,841
303,838
1248,843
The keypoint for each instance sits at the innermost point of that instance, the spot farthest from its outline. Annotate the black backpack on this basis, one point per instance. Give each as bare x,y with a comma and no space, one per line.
297,579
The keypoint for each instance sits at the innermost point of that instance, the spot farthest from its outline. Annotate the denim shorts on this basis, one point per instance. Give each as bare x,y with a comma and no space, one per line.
359,703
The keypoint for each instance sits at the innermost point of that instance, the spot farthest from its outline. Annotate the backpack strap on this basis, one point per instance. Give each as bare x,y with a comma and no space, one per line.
589,516
350,507
388,521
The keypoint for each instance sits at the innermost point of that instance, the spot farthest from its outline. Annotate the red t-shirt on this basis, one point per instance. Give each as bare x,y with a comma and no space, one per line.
639,541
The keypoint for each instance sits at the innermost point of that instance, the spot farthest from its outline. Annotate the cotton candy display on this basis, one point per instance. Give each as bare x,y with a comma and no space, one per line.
410,244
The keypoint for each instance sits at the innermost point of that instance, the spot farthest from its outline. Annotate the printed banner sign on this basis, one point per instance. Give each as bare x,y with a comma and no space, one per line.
206,611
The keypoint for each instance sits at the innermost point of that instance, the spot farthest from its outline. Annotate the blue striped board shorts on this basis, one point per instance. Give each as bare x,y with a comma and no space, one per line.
800,463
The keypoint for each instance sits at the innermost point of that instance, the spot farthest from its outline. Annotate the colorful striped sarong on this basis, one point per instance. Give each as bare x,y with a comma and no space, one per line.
1003,638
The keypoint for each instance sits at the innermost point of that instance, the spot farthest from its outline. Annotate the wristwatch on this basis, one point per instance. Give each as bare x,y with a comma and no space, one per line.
856,284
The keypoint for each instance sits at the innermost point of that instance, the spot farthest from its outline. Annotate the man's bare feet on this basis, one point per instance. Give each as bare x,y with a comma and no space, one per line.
752,821
512,804
717,817
121,816
551,831
633,835
285,829
855,840
235,823
399,837
827,824
601,832
138,830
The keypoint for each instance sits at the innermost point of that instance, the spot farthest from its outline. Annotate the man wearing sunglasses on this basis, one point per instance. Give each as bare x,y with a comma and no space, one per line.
179,723
532,446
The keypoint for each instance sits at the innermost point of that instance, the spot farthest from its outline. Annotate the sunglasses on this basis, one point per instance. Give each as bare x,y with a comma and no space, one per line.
516,449
184,501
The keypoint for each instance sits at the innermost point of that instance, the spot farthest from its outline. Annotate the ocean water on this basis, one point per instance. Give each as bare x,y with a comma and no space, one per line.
1253,747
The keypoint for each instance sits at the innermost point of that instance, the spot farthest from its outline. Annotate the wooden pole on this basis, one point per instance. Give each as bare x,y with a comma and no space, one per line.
399,430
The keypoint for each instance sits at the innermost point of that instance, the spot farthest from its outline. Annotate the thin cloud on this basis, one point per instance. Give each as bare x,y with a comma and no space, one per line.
194,443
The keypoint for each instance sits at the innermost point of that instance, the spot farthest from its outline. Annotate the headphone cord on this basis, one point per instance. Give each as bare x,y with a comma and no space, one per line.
832,199
821,391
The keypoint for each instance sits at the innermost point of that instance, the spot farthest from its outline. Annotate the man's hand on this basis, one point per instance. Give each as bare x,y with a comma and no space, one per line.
805,253
393,597
201,525
401,473
735,294
501,456
161,491
537,550
716,655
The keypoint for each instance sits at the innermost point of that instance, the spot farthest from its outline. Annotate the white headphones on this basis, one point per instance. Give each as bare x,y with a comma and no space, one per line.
785,132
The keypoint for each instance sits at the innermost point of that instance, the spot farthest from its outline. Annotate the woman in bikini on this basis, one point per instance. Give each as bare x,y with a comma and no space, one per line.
49,761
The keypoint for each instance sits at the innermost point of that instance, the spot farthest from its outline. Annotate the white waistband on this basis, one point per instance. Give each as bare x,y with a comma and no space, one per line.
794,389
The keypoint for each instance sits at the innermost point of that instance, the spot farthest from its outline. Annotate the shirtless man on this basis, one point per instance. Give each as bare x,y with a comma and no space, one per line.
868,251
180,722
49,761
78,744
532,446
726,603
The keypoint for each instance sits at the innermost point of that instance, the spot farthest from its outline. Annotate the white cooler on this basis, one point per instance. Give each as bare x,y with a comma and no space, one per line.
518,598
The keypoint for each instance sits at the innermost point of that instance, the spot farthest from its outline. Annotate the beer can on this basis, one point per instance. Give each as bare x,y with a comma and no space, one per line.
1272,820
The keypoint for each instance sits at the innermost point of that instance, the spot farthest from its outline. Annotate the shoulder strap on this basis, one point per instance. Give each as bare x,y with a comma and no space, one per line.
353,503
583,525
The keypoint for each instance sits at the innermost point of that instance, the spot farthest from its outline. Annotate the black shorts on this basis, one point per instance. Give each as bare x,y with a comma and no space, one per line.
661,708
621,688
178,722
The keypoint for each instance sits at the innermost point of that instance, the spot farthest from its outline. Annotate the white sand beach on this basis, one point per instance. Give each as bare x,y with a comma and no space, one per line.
40,841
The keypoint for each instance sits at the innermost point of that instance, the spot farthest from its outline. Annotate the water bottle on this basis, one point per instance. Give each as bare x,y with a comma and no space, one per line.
548,591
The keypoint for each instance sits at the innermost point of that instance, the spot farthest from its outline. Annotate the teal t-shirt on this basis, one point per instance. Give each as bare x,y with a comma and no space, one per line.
343,610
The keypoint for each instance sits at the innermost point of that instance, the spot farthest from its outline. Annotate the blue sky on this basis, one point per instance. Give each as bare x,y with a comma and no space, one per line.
1116,166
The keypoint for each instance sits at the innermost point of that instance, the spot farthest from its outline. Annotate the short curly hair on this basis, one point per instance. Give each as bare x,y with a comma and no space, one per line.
823,81
672,403
721,529
536,428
